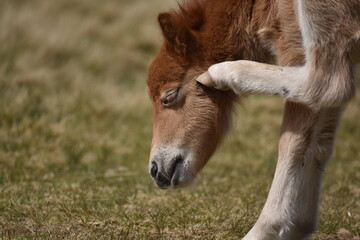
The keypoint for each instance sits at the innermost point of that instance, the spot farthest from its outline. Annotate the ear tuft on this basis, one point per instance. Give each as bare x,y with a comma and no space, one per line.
181,29
177,34
165,22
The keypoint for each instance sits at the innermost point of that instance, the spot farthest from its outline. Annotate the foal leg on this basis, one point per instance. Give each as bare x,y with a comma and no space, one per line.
298,84
247,77
306,144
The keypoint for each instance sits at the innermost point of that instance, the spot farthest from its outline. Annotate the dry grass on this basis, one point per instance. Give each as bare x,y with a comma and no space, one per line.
75,131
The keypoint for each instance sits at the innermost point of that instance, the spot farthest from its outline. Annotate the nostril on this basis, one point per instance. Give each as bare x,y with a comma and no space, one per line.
177,161
153,169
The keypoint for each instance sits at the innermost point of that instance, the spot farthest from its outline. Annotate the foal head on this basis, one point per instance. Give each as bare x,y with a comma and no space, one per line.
189,119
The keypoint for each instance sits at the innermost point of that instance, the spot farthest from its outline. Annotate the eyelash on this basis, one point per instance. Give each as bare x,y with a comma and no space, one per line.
171,97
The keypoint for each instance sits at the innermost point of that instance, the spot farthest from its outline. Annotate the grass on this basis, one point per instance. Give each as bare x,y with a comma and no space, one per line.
76,125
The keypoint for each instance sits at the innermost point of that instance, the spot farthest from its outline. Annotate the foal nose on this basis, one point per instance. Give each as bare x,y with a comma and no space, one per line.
154,169
166,174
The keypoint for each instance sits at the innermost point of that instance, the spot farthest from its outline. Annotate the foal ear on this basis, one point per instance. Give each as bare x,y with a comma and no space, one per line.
177,33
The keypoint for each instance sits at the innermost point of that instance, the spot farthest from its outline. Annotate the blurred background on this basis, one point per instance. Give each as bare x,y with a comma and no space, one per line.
75,133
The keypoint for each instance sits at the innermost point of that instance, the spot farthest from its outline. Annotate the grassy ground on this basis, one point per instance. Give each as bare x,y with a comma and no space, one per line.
75,131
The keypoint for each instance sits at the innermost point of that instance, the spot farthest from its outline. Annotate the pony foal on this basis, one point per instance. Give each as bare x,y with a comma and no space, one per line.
191,119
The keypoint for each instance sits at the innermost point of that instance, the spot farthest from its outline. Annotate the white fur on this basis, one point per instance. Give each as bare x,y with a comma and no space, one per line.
245,77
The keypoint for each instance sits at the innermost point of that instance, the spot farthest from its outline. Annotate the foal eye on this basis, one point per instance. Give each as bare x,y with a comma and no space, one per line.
170,97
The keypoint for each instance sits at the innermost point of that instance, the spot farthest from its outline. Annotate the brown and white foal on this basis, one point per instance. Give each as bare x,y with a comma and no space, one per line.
312,41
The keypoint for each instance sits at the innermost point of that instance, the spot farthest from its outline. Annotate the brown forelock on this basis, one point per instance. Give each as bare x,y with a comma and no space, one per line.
164,69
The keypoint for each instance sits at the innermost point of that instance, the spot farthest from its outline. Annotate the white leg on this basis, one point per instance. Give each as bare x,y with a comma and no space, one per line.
306,143
246,77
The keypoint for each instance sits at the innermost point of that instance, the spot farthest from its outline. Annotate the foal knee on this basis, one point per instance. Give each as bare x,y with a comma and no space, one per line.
324,91
330,81
339,92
